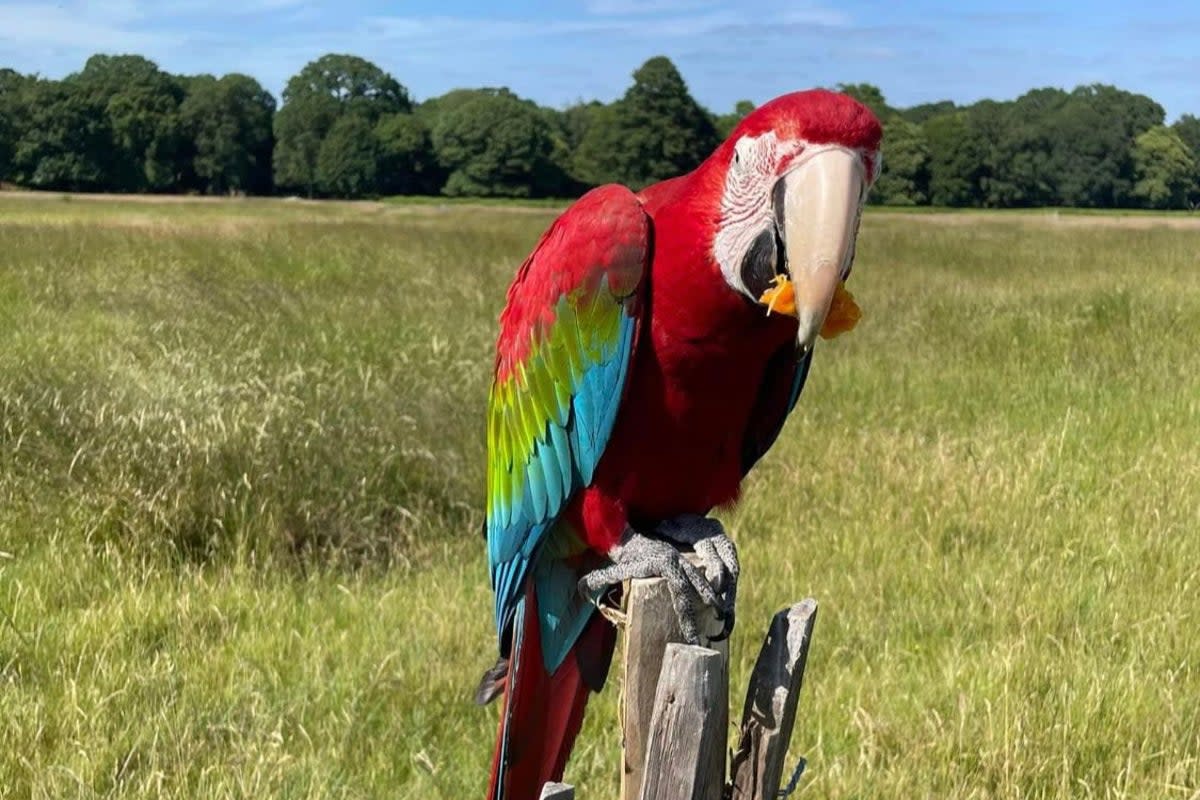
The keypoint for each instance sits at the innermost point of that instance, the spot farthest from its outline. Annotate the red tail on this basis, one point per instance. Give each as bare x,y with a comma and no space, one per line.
543,712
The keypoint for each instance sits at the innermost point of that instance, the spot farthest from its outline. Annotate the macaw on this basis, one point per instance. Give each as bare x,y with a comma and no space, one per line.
639,374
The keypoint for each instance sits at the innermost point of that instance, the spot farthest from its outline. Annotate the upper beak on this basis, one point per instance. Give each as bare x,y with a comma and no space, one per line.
820,207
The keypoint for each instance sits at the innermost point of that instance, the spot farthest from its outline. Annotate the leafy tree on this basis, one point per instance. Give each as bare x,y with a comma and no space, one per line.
346,127
1020,168
1165,168
6,143
357,85
12,83
228,124
923,112
1187,128
577,119
905,177
348,161
727,122
494,144
656,131
407,164
315,99
300,127
574,122
139,105
958,157
451,101
986,123
1092,137
600,156
64,141
558,181
870,96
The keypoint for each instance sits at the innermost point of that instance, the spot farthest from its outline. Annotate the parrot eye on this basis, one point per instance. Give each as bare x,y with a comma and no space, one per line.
742,144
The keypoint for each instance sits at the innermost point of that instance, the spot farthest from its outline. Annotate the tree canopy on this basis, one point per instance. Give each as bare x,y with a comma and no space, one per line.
345,127
123,125
316,99
656,131
227,124
407,164
1187,128
491,143
136,113
1164,167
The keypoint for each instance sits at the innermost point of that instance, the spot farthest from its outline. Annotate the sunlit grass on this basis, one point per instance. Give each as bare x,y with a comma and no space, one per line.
241,477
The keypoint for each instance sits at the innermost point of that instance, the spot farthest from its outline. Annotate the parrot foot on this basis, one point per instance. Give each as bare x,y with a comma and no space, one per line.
718,558
639,556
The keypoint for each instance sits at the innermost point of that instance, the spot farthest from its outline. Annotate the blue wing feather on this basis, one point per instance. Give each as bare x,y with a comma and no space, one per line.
569,390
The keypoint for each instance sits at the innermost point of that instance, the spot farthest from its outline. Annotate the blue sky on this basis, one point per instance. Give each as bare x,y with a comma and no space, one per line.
557,52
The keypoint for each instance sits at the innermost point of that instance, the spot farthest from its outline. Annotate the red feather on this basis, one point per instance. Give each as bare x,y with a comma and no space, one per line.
613,232
545,711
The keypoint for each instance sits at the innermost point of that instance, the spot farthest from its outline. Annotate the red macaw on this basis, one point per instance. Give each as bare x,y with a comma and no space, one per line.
639,375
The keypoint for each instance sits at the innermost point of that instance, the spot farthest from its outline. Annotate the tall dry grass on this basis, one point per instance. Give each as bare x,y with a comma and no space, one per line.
241,476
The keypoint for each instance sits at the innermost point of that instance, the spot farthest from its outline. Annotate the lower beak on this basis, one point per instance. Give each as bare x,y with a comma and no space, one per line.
820,216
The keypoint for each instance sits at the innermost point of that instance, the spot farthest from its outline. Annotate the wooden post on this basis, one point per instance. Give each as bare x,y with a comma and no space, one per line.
770,711
651,626
685,757
675,704
558,791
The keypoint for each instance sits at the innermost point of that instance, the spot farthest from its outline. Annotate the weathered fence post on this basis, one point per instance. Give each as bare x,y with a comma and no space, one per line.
651,626
558,791
685,754
756,769
675,708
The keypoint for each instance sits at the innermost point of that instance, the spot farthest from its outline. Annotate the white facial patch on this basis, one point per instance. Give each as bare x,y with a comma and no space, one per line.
746,209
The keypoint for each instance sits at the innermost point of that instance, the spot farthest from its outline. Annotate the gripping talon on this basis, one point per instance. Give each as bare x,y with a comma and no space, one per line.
713,583
719,558
726,627
640,556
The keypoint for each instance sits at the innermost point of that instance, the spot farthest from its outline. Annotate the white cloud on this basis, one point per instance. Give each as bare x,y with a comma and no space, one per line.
227,8
746,13
438,31
816,16
614,8
111,11
31,26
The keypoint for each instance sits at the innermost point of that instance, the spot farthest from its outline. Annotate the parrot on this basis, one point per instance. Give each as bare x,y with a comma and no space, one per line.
639,374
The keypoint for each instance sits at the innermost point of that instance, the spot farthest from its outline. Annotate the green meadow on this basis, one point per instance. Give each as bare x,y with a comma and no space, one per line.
241,484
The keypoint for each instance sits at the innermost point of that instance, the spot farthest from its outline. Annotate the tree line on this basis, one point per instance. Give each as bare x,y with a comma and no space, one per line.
346,128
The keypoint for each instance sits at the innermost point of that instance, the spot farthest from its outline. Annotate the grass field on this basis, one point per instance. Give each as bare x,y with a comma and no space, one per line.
241,465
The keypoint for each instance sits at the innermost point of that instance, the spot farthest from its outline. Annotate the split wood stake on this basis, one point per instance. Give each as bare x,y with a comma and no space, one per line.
770,711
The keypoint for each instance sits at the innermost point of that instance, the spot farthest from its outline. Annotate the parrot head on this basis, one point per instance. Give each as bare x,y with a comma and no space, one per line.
793,177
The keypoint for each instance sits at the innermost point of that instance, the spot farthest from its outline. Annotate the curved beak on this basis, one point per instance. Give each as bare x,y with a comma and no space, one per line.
817,210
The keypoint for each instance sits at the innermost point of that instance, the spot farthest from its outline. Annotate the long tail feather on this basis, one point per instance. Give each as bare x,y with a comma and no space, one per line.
543,712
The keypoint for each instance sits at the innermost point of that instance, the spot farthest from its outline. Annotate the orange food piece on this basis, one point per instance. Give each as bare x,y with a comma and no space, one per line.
843,314
781,297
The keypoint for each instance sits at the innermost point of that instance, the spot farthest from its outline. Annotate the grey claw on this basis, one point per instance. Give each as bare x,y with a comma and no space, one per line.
718,558
726,627
642,557
598,580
